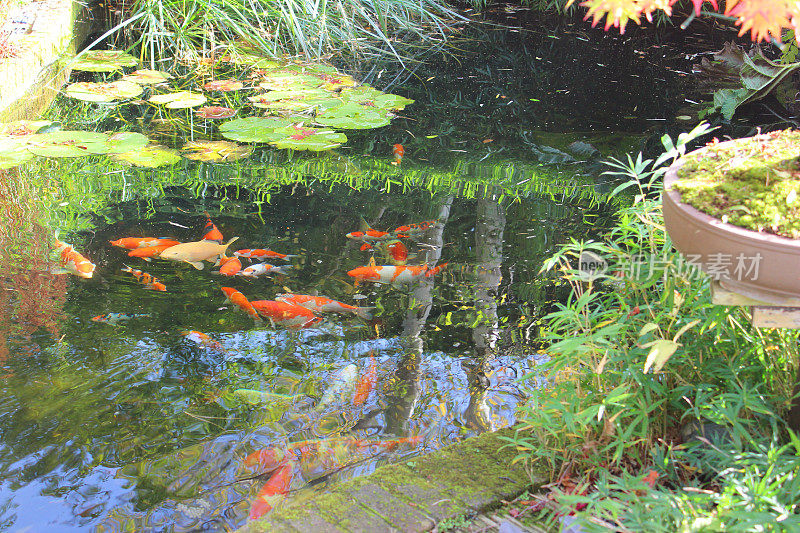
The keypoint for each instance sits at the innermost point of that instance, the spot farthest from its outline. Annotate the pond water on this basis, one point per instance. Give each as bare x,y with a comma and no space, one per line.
129,425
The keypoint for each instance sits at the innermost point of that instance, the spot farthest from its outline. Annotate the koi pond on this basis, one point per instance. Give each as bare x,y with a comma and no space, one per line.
129,403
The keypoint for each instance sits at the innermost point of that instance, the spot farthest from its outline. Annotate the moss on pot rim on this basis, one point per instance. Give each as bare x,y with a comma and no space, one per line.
752,183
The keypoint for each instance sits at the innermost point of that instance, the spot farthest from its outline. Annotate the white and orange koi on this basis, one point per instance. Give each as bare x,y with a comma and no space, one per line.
414,230
273,491
262,269
395,275
284,314
71,262
260,254
321,304
239,299
366,382
369,236
203,340
132,243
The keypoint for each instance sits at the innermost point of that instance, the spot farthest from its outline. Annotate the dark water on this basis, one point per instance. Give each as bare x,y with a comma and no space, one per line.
134,427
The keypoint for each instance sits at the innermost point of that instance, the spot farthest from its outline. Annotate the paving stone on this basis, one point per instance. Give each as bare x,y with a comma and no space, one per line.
434,502
313,523
395,511
361,519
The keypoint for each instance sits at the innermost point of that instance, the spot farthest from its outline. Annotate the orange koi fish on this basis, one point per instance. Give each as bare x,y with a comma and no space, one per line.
414,229
71,262
320,304
262,269
146,279
237,298
367,382
132,243
229,266
395,275
399,152
260,254
211,231
398,252
284,314
273,491
268,458
203,340
149,252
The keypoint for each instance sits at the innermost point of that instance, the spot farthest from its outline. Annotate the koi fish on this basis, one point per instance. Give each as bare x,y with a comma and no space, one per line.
132,243
370,236
71,262
149,252
267,458
203,340
398,252
261,269
395,275
343,385
237,298
415,229
367,382
229,266
260,254
320,304
284,314
211,231
399,152
113,319
273,491
196,252
146,279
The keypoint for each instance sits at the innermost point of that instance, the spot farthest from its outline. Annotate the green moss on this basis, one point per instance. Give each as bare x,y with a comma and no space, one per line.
753,183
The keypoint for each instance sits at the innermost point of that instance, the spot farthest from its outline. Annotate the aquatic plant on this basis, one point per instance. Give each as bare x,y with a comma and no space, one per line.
309,28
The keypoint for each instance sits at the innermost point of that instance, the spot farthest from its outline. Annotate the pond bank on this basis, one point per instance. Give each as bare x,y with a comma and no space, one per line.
49,30
457,480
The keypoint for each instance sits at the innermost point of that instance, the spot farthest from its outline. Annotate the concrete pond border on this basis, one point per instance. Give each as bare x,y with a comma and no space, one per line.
414,495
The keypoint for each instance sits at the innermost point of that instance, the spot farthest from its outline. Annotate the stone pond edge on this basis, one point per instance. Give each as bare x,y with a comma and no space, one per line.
413,495
32,79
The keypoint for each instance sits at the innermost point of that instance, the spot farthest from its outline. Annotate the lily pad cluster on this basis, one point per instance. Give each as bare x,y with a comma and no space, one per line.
16,149
306,105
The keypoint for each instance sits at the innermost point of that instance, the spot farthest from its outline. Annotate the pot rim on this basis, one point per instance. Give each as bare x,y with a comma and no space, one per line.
716,225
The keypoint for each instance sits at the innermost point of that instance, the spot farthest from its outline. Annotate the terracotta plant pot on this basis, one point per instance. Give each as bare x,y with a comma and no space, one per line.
759,265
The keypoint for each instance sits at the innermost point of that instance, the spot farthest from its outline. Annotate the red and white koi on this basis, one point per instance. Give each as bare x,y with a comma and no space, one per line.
414,230
71,262
132,243
286,315
260,254
395,275
321,304
239,299
211,233
370,236
146,279
262,269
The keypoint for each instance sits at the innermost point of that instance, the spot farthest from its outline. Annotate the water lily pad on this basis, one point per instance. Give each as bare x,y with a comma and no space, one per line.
103,61
392,101
215,111
13,152
313,139
215,151
371,97
223,85
20,128
255,129
151,156
103,92
67,143
253,61
125,141
353,116
334,82
287,81
298,100
179,100
147,77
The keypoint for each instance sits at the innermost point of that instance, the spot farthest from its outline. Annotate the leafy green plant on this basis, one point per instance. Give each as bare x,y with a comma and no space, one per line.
638,357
